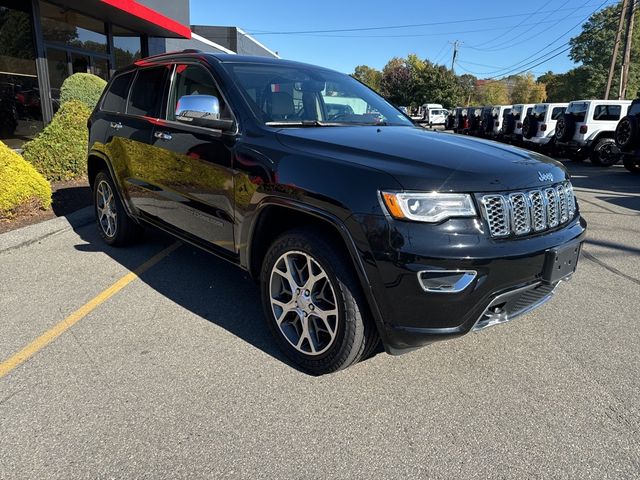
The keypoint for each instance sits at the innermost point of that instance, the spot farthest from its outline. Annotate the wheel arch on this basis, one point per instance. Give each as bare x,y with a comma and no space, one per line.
97,161
274,217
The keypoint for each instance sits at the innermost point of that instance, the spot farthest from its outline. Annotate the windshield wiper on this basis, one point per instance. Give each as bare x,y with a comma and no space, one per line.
303,123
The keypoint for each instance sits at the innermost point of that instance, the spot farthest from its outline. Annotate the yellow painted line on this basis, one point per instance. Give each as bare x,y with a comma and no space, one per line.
50,335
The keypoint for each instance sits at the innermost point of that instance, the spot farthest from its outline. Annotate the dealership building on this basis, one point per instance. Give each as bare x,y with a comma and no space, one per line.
44,42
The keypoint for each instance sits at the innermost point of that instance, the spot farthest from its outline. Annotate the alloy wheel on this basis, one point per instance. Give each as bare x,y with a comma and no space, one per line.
106,209
304,303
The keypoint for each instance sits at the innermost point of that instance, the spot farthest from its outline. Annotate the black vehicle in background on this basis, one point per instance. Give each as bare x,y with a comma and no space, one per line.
627,137
359,226
475,121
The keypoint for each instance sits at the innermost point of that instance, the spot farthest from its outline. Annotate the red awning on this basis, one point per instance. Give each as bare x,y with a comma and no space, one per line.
132,15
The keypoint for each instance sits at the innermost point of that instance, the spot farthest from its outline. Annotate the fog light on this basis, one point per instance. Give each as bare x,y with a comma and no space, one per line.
445,281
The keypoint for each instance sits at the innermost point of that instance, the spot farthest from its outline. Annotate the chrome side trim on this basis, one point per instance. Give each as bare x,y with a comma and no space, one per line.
467,276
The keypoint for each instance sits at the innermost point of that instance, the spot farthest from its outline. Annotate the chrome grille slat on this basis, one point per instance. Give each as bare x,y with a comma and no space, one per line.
522,213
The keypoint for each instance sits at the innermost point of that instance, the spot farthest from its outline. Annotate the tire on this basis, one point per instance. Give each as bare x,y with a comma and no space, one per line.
324,346
605,153
626,134
565,128
632,164
529,127
510,125
114,224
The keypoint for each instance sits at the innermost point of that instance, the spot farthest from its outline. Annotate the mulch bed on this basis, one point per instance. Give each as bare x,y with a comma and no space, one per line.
67,197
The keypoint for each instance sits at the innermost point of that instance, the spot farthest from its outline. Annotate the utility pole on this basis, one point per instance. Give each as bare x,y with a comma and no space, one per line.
614,55
456,45
626,60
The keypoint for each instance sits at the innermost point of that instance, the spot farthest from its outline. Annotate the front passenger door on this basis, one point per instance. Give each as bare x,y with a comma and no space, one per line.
194,165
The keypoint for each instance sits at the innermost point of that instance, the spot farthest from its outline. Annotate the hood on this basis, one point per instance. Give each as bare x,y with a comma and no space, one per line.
423,160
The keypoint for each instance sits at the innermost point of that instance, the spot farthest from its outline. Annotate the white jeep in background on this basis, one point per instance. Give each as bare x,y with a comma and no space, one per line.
539,128
498,114
513,122
587,129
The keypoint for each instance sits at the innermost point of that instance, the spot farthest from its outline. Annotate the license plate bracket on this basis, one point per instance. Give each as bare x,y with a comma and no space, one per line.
561,262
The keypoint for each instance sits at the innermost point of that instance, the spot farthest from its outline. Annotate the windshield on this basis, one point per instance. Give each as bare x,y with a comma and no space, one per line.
305,95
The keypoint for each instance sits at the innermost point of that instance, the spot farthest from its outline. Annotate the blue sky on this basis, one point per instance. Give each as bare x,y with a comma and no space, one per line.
489,47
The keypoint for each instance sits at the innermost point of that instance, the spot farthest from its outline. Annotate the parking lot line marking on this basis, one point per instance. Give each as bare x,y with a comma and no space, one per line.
50,335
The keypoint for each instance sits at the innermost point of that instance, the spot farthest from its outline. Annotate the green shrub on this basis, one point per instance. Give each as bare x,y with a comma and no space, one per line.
84,87
59,152
22,188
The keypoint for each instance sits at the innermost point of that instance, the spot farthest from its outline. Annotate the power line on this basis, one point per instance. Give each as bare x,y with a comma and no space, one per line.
523,62
522,40
515,26
389,27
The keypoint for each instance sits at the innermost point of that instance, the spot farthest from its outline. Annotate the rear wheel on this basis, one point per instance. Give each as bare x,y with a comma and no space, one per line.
114,224
313,303
605,153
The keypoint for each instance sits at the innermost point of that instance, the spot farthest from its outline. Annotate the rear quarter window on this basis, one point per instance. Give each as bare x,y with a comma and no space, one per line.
607,112
115,99
557,112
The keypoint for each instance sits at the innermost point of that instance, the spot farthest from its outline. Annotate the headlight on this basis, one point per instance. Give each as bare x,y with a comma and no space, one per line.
429,207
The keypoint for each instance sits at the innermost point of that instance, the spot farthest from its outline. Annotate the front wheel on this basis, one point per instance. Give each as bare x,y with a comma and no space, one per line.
313,303
605,153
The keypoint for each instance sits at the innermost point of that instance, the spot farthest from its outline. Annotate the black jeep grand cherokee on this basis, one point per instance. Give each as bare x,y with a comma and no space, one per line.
359,226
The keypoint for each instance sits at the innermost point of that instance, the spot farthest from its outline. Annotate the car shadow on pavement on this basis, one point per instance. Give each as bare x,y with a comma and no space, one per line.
201,283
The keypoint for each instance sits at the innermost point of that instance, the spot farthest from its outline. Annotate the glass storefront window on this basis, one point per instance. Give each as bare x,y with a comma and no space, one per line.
64,26
126,46
20,113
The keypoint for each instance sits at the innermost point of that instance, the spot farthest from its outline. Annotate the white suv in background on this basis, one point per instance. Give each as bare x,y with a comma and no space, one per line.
513,126
436,116
587,129
498,113
539,128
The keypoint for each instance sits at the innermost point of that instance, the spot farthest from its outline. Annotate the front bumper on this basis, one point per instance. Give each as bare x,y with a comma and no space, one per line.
413,317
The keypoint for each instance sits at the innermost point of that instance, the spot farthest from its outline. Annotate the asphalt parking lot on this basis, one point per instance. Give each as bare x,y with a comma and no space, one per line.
172,374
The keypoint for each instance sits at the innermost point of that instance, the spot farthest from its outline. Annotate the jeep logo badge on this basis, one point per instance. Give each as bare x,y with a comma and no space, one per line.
545,177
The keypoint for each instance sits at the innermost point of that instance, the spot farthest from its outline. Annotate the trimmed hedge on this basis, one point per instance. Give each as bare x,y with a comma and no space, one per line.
83,87
22,188
59,152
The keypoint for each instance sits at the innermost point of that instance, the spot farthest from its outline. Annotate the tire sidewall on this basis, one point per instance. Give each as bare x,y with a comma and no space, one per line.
604,143
120,213
347,326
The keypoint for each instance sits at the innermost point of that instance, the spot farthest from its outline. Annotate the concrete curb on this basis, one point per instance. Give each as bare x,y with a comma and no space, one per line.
35,233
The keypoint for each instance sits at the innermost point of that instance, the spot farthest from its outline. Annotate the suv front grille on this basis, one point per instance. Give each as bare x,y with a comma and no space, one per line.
521,213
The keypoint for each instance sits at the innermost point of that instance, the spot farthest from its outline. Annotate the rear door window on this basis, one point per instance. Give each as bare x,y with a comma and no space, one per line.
539,111
607,112
147,92
116,98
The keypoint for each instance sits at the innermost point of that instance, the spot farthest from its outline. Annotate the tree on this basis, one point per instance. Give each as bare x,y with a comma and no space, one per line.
492,93
526,90
593,47
467,84
397,82
369,76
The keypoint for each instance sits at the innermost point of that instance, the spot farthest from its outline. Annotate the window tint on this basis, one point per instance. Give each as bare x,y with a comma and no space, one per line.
116,98
607,112
146,93
557,112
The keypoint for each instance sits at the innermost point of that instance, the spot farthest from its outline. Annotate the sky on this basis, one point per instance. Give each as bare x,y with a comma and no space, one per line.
490,46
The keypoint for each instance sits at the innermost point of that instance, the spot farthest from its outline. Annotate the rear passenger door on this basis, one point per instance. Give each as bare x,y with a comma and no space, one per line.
194,165
128,139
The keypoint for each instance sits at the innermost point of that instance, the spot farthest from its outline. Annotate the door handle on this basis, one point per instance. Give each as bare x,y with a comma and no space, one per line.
116,125
163,136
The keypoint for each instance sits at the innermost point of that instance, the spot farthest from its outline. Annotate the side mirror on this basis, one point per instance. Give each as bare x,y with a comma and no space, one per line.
202,111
